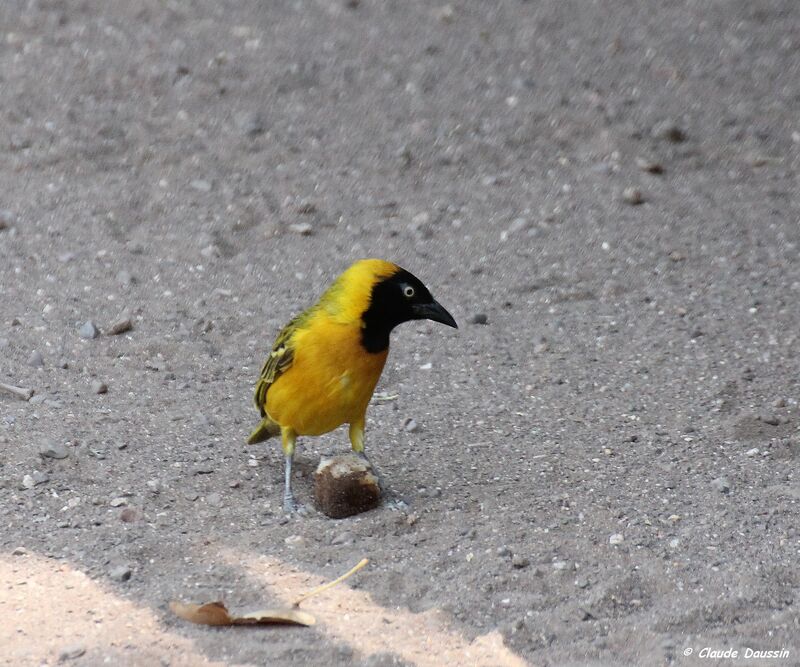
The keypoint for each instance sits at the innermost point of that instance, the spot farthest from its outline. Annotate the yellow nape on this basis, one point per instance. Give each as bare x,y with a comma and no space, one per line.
348,297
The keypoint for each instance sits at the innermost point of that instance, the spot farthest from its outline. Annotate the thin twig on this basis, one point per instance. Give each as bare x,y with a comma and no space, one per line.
21,392
325,587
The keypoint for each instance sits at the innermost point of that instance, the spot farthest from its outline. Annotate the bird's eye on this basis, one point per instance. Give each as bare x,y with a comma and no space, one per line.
408,291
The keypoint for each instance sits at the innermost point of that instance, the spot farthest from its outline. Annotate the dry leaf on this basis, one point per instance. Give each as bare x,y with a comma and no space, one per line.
215,613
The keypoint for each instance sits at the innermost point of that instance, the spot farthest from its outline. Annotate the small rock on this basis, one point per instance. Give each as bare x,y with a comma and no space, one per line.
29,481
632,196
211,251
753,452
519,562
343,538
200,185
253,124
650,166
721,484
120,326
479,318
214,499
35,359
295,541
6,218
129,515
125,279
772,420
191,496
99,387
541,346
120,573
19,551
89,330
154,485
53,450
503,551
118,502
302,228
518,225
410,425
779,403
582,582
71,652
345,485
560,565
616,538
668,130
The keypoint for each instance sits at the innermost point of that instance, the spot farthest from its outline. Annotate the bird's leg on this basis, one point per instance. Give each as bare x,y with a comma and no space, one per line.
288,438
357,443
357,438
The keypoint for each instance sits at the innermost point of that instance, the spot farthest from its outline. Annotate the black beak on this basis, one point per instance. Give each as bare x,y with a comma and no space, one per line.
433,311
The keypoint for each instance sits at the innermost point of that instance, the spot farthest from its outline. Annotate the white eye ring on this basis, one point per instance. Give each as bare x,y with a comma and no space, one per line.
408,291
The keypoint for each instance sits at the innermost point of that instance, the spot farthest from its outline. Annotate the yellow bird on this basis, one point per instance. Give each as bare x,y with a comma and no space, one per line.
325,363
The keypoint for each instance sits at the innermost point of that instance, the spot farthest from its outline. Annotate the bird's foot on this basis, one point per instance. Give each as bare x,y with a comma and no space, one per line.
289,505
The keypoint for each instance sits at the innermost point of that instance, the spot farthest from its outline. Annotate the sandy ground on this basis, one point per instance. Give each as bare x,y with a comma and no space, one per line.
604,473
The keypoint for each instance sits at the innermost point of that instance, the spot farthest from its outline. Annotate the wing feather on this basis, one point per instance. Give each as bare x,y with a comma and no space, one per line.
278,362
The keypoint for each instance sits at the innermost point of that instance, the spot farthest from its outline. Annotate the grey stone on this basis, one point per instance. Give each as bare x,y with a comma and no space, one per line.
89,330
721,484
120,326
120,573
99,387
53,450
479,318
35,359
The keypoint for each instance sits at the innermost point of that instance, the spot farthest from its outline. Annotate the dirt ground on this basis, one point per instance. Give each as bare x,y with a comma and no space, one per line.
603,473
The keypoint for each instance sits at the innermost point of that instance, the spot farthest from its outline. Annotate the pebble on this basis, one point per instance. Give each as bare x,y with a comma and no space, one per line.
53,450
410,425
154,485
669,130
20,551
214,499
29,481
753,452
779,403
519,562
253,124
191,496
36,360
120,573
125,278
560,565
6,218
71,652
120,326
88,330
721,484
200,185
582,582
633,196
772,420
118,502
650,166
479,318
616,538
99,387
295,541
343,538
129,515
302,228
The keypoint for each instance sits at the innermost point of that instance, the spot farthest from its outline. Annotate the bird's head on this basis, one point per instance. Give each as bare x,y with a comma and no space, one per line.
396,296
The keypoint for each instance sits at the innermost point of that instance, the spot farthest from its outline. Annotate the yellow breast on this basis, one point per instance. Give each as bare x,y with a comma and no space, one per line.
330,382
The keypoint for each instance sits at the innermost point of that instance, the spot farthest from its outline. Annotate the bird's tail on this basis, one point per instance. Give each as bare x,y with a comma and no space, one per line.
264,431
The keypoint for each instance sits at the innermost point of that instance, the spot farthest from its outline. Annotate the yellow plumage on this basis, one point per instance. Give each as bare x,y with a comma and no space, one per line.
326,362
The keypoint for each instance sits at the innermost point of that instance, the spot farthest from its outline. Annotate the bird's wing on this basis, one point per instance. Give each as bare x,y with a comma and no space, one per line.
279,361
